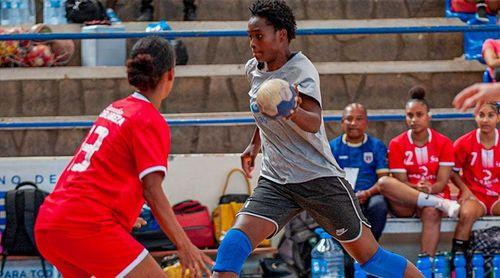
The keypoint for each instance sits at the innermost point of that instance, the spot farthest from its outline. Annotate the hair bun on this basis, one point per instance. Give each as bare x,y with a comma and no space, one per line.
139,71
417,92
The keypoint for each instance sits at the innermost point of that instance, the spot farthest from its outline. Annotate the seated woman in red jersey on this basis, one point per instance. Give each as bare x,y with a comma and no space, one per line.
84,225
491,55
477,173
420,160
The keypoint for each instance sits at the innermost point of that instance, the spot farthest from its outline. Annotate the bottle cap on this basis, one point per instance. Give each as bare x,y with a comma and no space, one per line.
319,231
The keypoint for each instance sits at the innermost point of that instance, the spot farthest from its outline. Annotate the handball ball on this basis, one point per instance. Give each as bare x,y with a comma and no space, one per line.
276,97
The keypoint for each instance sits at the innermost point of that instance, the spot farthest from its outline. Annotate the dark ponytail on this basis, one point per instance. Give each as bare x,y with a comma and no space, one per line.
149,59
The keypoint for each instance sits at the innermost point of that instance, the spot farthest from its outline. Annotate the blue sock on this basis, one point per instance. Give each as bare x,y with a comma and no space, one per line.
385,264
233,252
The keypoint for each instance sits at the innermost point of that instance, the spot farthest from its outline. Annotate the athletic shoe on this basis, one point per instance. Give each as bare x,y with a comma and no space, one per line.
451,208
481,14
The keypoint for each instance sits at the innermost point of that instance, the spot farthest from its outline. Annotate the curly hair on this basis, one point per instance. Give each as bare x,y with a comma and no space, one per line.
277,13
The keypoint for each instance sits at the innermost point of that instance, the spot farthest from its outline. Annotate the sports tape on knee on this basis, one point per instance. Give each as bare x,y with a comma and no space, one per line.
233,251
385,264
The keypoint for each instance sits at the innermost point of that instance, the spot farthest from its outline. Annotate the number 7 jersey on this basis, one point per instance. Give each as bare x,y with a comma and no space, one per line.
102,183
480,166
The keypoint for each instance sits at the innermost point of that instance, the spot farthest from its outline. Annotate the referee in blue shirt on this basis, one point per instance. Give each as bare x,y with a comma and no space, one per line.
364,160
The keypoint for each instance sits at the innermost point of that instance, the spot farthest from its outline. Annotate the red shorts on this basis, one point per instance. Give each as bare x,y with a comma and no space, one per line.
105,251
488,202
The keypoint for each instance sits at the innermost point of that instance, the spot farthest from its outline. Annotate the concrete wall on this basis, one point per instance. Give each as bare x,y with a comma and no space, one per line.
223,94
304,9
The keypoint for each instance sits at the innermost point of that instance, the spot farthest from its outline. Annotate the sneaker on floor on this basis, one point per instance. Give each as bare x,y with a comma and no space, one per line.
450,208
481,14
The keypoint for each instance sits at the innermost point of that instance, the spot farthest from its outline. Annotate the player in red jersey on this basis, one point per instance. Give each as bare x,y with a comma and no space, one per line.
84,225
420,160
477,173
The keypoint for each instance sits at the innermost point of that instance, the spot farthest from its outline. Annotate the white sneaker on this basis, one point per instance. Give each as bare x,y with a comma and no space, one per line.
451,208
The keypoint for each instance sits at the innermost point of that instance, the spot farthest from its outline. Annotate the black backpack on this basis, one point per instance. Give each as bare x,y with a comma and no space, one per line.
80,11
297,243
21,209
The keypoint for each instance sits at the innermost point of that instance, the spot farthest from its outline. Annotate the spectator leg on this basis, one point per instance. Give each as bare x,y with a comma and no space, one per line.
431,229
376,212
470,211
402,198
111,4
495,210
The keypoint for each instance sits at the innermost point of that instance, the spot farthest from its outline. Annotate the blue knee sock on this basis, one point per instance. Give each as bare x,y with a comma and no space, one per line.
233,251
385,264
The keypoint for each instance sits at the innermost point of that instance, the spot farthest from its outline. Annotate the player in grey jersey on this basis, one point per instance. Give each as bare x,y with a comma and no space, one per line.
299,171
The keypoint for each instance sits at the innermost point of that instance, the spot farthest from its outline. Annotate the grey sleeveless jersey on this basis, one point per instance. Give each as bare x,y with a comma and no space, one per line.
290,154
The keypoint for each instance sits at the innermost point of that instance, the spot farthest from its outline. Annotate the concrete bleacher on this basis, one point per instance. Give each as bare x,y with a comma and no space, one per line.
376,70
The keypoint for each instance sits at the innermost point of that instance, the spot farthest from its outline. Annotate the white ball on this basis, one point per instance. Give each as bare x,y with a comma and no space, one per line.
276,97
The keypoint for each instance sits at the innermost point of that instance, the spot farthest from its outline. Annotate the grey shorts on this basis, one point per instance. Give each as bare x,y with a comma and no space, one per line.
329,200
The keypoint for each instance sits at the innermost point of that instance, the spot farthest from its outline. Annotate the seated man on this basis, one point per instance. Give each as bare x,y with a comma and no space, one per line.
364,159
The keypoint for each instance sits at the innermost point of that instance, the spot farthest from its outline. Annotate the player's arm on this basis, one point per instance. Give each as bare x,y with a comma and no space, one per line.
442,179
248,156
307,115
190,256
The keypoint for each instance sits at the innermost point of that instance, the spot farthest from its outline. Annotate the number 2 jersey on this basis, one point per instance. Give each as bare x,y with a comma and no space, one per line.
480,166
420,162
102,183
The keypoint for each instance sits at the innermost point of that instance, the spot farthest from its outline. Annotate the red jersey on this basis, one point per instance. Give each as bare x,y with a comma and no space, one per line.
102,183
420,163
480,166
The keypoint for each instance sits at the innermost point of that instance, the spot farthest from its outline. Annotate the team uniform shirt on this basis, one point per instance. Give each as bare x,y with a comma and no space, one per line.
420,162
480,167
366,159
102,183
495,46
290,154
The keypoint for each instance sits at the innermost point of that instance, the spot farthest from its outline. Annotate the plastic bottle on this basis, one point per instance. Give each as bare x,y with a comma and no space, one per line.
358,271
6,6
459,263
440,265
25,12
54,12
424,265
327,258
496,266
478,265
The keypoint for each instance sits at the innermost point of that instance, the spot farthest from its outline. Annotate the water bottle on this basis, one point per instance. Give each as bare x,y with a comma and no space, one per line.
6,6
358,271
327,258
54,12
424,265
496,266
439,265
459,263
25,12
478,265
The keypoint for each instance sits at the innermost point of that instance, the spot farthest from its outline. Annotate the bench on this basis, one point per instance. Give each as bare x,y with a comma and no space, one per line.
414,225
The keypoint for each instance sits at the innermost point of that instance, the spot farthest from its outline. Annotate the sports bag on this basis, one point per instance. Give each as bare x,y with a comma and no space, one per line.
194,218
21,210
150,235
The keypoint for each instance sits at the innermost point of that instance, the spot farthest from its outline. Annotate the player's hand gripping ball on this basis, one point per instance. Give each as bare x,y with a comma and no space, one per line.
276,98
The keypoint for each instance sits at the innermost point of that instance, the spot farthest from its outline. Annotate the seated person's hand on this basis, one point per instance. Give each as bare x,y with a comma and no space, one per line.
363,196
424,186
466,195
139,222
